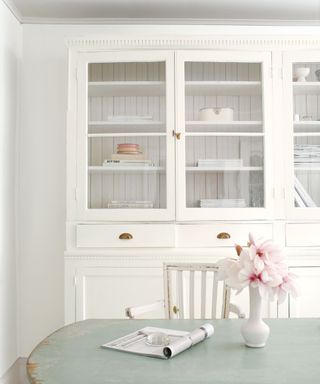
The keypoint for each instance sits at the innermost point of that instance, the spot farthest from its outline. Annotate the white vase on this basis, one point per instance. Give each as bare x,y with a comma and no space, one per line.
255,331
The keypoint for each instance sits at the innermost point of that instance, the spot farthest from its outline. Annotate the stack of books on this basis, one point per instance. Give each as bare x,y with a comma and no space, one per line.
306,155
222,203
127,163
130,204
128,155
220,163
128,149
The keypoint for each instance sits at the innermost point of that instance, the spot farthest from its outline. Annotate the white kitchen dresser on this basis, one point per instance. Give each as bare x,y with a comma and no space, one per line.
188,187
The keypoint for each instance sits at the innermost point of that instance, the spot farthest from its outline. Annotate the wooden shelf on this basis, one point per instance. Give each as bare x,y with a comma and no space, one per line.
222,88
122,169
227,124
306,128
223,169
306,88
131,124
230,128
226,134
126,88
307,169
128,134
126,126
306,134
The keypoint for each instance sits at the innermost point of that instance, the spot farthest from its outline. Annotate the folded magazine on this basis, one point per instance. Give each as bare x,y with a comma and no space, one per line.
160,342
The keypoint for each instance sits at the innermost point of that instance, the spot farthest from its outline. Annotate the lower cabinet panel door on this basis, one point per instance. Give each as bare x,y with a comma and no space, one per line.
105,292
308,303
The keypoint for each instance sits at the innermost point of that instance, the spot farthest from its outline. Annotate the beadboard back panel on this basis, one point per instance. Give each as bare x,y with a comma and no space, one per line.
126,186
122,186
152,187
245,108
224,185
307,106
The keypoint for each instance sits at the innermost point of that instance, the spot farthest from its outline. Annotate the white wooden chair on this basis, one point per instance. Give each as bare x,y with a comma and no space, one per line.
191,291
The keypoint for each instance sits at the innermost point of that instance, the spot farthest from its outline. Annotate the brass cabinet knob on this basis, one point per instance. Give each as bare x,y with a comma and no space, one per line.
175,309
125,236
223,235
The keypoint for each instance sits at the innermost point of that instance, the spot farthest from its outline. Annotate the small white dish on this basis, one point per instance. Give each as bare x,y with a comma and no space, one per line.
300,74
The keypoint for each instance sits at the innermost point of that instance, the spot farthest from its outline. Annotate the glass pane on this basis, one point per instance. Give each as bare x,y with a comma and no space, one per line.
306,116
307,171
127,136
224,135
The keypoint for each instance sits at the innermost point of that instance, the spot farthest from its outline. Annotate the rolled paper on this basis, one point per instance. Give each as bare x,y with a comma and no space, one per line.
177,346
185,342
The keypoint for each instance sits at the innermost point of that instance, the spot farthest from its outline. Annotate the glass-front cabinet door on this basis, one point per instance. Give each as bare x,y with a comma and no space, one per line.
125,144
224,149
302,96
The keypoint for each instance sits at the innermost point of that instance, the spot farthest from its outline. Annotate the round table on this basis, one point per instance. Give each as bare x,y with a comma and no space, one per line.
73,355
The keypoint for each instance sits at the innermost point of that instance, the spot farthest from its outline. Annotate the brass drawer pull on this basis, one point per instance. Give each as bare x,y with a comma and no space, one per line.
223,235
125,236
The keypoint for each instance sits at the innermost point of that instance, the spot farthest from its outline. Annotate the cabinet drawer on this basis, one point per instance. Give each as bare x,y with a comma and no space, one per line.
206,235
122,235
303,235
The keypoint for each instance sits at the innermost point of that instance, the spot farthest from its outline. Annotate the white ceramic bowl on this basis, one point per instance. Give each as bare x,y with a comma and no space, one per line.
300,74
216,114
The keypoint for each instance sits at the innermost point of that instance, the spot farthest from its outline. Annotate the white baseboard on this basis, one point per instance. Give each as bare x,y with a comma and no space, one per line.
16,374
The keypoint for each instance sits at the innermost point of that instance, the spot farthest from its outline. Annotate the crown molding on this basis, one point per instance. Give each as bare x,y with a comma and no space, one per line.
200,42
13,9
161,21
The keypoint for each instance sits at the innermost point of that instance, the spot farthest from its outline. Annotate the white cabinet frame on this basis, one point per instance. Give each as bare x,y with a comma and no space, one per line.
81,189
264,58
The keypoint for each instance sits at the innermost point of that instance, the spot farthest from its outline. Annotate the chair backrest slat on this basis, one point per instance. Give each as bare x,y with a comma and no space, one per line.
203,293
180,294
167,292
191,295
214,296
226,301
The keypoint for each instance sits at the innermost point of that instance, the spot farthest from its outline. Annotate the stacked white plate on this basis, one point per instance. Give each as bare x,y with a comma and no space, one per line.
130,204
220,163
306,155
222,203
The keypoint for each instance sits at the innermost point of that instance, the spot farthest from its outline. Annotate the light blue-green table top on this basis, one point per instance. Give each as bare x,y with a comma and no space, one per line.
72,355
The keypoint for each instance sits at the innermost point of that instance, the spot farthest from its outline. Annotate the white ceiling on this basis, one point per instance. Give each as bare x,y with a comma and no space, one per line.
303,10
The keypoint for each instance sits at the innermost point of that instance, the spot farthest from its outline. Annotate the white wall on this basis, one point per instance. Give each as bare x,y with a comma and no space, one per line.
10,60
42,164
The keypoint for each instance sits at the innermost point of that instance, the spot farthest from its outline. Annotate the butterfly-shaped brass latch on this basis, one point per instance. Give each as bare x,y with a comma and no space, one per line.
177,135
